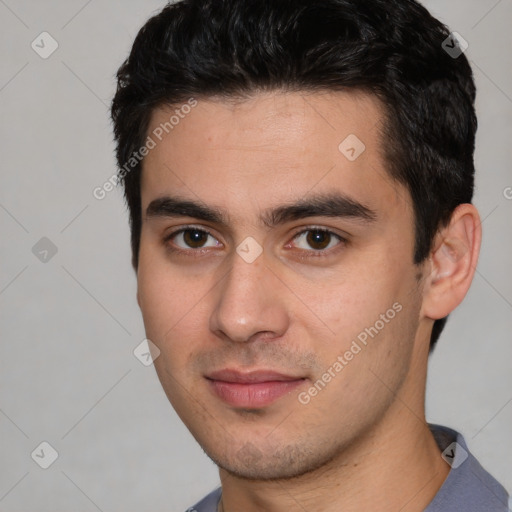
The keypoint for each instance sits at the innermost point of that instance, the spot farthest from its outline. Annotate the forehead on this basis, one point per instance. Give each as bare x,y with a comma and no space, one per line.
270,148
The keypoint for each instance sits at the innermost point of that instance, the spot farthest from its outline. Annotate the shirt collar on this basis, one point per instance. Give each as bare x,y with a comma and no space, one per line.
468,486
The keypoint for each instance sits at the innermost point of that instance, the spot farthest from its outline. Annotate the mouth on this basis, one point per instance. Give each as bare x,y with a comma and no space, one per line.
251,390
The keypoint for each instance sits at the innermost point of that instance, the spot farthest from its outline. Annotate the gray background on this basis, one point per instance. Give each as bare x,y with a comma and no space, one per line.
68,375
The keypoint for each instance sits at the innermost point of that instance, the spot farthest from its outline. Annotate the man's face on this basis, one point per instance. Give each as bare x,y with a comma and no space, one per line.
249,340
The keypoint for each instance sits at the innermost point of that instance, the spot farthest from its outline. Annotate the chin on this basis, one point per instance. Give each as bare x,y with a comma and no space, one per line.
251,463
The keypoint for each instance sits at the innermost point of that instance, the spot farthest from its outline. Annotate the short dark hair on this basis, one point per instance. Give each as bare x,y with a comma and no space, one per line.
392,49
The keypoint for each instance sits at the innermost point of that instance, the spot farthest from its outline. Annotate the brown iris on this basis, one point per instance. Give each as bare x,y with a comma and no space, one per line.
195,238
318,239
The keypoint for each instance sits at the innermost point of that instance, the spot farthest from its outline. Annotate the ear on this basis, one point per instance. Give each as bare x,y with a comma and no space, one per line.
452,263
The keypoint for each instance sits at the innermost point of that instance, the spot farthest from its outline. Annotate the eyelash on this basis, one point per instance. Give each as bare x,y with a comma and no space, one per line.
321,253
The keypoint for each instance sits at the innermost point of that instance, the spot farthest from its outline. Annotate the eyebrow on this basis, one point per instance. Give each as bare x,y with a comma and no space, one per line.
320,205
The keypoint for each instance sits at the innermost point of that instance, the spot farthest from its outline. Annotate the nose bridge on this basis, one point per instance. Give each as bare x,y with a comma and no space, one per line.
248,302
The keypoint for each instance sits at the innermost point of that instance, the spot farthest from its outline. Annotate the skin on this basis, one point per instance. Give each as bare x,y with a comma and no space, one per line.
362,442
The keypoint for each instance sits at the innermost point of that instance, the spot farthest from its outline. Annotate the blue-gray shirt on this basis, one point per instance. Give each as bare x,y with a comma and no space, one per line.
468,487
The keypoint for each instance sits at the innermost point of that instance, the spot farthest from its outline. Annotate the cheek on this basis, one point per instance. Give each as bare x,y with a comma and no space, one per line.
370,363
366,313
347,302
155,300
173,307
170,322
159,298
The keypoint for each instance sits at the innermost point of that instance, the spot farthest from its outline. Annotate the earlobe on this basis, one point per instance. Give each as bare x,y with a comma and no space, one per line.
453,262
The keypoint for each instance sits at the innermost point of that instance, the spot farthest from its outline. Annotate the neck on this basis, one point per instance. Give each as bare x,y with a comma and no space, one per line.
396,465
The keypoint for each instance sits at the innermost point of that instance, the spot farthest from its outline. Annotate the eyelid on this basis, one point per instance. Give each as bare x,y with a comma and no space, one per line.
315,227
300,231
343,240
187,227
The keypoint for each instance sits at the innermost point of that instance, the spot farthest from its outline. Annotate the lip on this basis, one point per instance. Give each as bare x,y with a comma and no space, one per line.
254,376
251,390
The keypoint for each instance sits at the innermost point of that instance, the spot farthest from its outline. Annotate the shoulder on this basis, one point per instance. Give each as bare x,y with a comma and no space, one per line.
208,503
469,486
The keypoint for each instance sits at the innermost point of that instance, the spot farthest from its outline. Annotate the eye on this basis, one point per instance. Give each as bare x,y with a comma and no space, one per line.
191,238
320,240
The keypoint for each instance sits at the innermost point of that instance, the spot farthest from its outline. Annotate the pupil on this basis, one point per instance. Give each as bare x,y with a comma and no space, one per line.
318,237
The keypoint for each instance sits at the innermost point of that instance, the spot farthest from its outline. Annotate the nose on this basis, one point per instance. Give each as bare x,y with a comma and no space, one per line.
250,301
